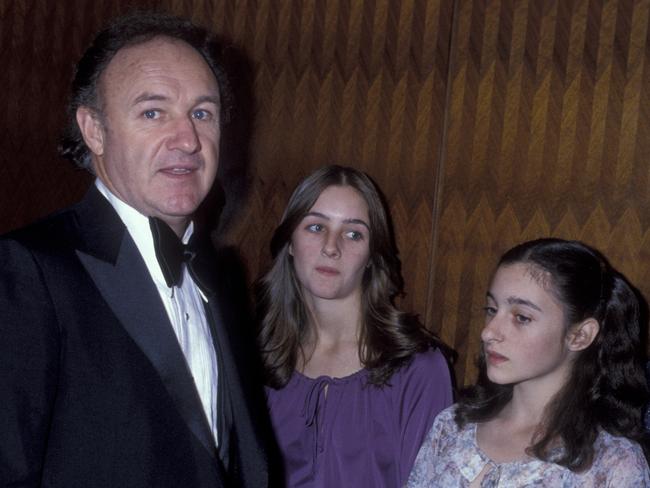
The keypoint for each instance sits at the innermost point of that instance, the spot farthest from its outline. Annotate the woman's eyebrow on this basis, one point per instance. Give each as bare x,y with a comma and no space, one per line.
522,301
346,221
516,301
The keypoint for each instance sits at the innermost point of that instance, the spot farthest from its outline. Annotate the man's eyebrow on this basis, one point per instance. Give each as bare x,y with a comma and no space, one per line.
210,99
148,96
346,221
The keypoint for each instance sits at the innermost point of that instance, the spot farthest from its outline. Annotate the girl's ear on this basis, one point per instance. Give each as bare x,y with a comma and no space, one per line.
581,335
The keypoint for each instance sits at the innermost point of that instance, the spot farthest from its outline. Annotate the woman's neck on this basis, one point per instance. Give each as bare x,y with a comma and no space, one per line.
531,398
518,425
334,321
331,345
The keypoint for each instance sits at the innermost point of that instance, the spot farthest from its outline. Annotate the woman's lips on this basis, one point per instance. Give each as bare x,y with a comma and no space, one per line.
494,358
326,270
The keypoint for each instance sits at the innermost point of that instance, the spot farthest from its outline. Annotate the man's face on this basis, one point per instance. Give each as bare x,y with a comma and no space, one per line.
156,145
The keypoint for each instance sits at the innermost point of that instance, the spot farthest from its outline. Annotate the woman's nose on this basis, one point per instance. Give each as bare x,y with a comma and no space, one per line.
331,247
492,330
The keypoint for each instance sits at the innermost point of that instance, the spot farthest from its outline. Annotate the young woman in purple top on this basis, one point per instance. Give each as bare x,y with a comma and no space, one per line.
561,387
354,383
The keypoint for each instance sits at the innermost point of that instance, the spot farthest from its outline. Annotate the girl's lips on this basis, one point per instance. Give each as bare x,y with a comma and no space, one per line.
494,358
326,270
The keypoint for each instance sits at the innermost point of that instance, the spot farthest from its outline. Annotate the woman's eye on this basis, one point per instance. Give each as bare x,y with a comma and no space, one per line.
490,311
151,114
353,235
522,319
315,228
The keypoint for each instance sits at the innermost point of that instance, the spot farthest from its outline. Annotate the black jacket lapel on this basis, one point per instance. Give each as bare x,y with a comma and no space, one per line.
114,263
240,445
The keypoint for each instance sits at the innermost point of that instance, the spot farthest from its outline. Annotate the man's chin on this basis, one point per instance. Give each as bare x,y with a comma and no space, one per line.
178,207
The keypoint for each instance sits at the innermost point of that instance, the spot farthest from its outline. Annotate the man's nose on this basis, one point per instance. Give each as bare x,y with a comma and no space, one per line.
184,137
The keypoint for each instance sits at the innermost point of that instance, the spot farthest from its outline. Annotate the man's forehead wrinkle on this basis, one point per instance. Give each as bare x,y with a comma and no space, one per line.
149,77
134,57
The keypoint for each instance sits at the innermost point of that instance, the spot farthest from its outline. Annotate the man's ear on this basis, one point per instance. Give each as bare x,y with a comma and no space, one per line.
291,249
91,129
581,335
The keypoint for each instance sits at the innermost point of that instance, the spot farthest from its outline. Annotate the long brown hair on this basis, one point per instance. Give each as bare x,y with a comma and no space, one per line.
389,337
607,388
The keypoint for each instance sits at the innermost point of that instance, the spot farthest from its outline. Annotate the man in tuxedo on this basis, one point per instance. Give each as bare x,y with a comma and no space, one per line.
121,365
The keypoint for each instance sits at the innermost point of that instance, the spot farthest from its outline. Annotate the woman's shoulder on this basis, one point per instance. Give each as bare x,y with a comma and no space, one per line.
425,371
445,436
444,427
426,363
620,460
445,420
289,392
608,445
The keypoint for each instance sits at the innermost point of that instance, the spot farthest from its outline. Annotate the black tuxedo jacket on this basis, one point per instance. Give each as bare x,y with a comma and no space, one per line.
94,388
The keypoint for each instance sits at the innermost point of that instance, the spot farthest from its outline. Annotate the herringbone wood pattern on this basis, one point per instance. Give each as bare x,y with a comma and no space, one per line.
485,123
548,134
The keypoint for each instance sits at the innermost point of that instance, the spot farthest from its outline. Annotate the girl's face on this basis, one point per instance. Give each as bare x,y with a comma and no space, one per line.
525,334
331,245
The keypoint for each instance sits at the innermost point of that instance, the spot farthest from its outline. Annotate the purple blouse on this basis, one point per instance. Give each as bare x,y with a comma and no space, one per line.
355,434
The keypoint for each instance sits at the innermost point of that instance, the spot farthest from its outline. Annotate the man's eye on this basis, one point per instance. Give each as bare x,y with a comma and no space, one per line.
202,114
151,114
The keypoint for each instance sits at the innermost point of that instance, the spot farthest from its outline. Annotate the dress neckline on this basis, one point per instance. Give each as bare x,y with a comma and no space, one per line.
489,460
331,379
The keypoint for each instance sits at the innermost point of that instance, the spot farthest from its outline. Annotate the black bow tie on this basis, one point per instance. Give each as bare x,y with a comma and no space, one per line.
170,251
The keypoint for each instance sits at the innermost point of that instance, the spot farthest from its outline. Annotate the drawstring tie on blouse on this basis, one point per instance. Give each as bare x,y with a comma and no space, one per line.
311,410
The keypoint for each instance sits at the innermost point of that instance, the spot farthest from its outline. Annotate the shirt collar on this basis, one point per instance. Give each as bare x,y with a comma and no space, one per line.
138,227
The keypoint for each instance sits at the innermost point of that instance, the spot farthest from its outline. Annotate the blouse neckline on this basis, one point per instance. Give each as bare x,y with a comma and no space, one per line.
489,460
331,379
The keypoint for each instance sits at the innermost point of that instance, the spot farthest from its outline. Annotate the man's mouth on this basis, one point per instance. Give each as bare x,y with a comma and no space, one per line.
177,171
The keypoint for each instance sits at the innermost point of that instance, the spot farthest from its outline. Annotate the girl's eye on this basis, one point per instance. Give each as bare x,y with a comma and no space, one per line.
353,235
490,311
315,228
522,319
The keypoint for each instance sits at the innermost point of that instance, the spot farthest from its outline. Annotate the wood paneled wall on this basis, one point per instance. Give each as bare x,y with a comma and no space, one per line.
485,123
548,134
358,83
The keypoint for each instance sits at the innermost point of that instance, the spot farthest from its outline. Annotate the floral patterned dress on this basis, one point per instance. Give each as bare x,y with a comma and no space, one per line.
451,457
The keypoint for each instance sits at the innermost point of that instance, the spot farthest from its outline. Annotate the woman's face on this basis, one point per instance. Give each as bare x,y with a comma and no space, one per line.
524,337
330,246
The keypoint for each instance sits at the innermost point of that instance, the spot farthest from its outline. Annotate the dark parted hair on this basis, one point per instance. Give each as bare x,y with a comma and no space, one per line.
130,30
606,388
389,337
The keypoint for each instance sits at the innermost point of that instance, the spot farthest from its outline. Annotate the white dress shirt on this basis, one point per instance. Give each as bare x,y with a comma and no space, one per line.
184,306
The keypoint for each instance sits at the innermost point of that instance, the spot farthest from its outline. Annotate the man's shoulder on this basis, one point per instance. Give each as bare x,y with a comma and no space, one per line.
48,231
91,218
